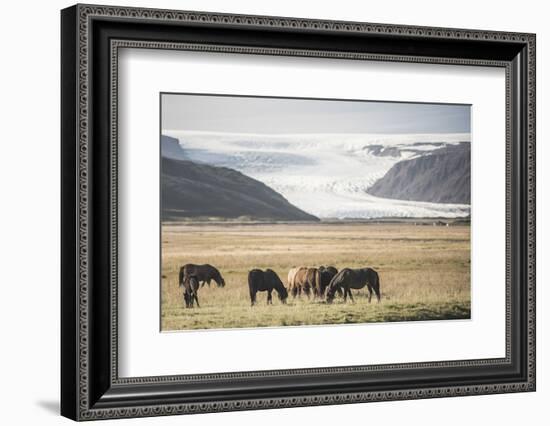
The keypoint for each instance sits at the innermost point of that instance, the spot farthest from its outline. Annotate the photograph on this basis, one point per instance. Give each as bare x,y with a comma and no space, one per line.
265,209
279,211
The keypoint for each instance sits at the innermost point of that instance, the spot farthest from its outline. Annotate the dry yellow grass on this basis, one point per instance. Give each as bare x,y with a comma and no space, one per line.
424,272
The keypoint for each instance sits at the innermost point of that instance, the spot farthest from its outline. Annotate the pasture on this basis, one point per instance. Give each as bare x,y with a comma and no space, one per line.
424,272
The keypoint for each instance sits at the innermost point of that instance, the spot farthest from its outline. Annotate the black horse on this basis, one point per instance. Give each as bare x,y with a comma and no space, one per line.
203,273
267,280
327,274
348,278
190,292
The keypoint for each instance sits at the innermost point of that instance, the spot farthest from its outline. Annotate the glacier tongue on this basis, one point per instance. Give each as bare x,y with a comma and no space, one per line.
326,174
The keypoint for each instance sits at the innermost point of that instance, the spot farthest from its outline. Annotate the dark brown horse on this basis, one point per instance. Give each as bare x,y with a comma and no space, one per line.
203,273
190,292
327,274
306,280
348,279
267,280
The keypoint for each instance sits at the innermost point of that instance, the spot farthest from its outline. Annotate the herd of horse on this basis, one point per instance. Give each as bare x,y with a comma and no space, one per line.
324,282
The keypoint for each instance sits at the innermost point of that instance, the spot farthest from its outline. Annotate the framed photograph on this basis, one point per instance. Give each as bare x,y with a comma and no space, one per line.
263,212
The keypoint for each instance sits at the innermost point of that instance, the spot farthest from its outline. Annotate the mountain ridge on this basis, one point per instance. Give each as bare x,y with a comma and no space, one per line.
192,190
442,176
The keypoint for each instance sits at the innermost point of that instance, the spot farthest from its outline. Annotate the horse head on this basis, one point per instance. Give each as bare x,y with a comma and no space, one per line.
220,281
330,294
283,294
187,300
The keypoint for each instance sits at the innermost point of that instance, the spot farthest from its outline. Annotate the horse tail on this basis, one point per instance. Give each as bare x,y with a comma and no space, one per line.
376,285
290,278
181,275
252,277
317,282
250,280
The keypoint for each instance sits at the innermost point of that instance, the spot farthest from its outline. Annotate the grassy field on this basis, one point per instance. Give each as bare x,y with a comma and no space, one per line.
424,272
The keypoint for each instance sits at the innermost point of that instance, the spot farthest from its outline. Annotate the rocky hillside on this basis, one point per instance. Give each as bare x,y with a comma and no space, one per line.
193,190
442,176
170,148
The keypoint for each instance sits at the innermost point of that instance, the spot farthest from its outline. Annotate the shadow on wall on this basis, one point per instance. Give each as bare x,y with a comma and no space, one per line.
50,406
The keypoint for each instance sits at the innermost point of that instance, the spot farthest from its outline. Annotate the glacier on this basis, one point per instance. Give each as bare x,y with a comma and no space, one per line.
326,175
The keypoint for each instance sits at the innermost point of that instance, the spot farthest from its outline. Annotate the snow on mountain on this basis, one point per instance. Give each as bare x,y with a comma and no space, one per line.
326,175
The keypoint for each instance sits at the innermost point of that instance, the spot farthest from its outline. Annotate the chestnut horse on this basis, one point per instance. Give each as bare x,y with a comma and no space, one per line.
305,279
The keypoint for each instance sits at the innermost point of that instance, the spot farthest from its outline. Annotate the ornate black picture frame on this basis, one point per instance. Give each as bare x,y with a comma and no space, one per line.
90,385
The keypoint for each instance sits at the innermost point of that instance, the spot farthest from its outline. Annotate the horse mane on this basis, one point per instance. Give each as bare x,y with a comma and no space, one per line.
278,284
336,280
216,275
274,277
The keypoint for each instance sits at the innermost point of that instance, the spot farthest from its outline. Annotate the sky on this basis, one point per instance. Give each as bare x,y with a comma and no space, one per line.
234,114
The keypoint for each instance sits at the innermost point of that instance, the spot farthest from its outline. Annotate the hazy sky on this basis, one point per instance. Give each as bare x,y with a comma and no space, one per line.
282,115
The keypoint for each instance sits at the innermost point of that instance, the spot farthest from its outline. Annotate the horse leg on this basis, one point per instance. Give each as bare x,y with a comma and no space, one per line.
269,298
350,295
252,297
197,299
370,292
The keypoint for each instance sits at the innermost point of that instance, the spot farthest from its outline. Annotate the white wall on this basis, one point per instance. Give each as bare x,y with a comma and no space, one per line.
29,225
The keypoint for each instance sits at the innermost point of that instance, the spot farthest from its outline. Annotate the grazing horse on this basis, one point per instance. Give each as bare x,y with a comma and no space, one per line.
327,274
203,273
306,280
267,280
291,278
348,278
190,292
292,274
